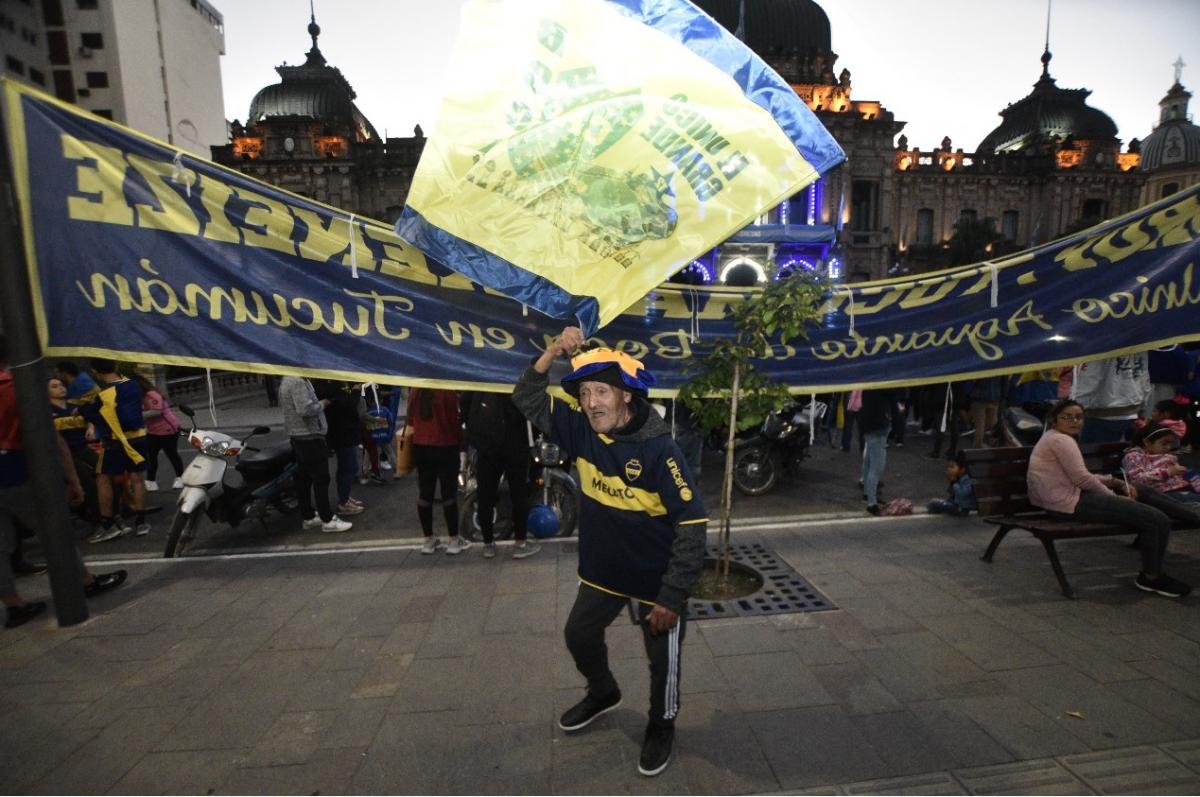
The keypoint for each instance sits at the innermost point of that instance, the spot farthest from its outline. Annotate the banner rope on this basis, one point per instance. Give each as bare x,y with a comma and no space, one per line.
850,313
946,408
180,174
995,284
212,402
694,330
353,248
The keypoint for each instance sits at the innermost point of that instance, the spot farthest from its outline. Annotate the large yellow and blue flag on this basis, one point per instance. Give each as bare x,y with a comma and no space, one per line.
585,150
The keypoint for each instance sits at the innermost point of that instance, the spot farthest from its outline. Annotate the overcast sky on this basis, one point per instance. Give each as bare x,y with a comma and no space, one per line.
946,67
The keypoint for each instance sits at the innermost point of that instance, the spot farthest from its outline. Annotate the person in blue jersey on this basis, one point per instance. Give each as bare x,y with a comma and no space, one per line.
641,530
116,414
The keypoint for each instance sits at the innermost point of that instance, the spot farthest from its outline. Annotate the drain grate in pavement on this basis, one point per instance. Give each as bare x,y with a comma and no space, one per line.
784,591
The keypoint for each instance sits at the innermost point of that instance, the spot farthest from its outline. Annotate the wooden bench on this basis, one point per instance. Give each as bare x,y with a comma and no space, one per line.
999,475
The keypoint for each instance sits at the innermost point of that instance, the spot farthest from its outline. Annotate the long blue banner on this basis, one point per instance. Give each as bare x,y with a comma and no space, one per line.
139,251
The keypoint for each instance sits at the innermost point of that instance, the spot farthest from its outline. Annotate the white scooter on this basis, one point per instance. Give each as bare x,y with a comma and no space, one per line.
260,480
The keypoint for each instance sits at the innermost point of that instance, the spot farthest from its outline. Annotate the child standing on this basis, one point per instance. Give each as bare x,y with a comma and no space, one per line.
960,491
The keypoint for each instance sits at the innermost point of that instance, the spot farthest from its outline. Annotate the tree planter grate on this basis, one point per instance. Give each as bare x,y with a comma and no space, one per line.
784,591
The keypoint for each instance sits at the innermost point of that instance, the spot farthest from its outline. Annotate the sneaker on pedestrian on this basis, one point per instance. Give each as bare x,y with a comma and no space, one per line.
524,550
335,524
584,712
349,509
104,534
356,502
104,582
874,509
142,529
457,545
1163,585
20,615
177,484
489,550
656,749
385,465
362,479
431,545
313,522
377,479
151,486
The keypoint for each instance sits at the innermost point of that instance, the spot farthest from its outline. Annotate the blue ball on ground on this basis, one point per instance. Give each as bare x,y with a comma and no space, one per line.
542,521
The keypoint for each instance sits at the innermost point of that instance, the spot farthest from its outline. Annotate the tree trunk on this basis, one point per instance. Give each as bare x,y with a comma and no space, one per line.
727,485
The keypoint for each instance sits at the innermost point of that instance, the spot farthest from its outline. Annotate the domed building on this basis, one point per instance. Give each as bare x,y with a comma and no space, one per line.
1171,154
306,135
1054,164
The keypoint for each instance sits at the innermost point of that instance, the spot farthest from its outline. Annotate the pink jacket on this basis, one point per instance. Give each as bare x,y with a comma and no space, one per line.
159,418
1142,467
1057,474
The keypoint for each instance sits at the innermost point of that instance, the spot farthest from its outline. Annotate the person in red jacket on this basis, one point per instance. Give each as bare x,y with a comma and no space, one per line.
437,441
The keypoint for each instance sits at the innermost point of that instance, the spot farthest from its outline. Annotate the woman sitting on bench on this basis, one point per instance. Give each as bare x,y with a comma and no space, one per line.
1060,483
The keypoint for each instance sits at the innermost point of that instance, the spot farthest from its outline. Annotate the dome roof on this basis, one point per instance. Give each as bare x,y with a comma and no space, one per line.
1049,112
772,27
314,91
1175,142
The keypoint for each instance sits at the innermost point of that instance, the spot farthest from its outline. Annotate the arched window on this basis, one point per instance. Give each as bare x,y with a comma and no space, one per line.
1168,189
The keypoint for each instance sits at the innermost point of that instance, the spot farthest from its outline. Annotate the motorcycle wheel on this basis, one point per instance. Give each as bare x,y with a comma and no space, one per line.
565,504
181,534
755,470
468,520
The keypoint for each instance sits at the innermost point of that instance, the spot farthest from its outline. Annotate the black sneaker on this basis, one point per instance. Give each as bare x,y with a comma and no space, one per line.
20,615
1164,585
105,582
582,713
656,749
874,509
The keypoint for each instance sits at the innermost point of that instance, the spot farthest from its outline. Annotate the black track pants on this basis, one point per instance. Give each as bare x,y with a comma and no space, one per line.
592,613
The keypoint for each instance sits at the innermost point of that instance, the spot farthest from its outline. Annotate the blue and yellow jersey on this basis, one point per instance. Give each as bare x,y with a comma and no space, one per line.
70,424
116,414
635,490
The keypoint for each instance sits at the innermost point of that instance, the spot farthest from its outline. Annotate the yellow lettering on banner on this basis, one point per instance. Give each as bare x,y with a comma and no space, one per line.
1146,300
672,345
215,299
214,196
979,335
1177,224
321,243
268,224
172,213
1173,225
380,302
317,321
492,337
920,294
99,183
339,324
118,285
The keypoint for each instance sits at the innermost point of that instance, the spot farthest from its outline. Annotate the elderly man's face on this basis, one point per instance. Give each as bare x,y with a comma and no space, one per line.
605,406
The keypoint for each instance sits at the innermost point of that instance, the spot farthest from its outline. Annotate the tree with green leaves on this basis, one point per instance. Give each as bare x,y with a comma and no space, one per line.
727,391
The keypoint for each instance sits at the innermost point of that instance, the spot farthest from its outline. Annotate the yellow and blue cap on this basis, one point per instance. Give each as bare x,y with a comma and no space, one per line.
612,367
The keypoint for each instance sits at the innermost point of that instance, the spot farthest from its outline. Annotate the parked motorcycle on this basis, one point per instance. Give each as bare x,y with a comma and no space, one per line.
550,483
261,480
761,456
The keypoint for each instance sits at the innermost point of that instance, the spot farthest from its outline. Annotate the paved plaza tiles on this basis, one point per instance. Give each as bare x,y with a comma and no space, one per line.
384,671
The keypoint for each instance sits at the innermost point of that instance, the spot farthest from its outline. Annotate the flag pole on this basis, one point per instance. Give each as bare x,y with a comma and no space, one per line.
37,429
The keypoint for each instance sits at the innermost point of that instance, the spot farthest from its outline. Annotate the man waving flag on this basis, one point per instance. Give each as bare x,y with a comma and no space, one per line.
587,149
